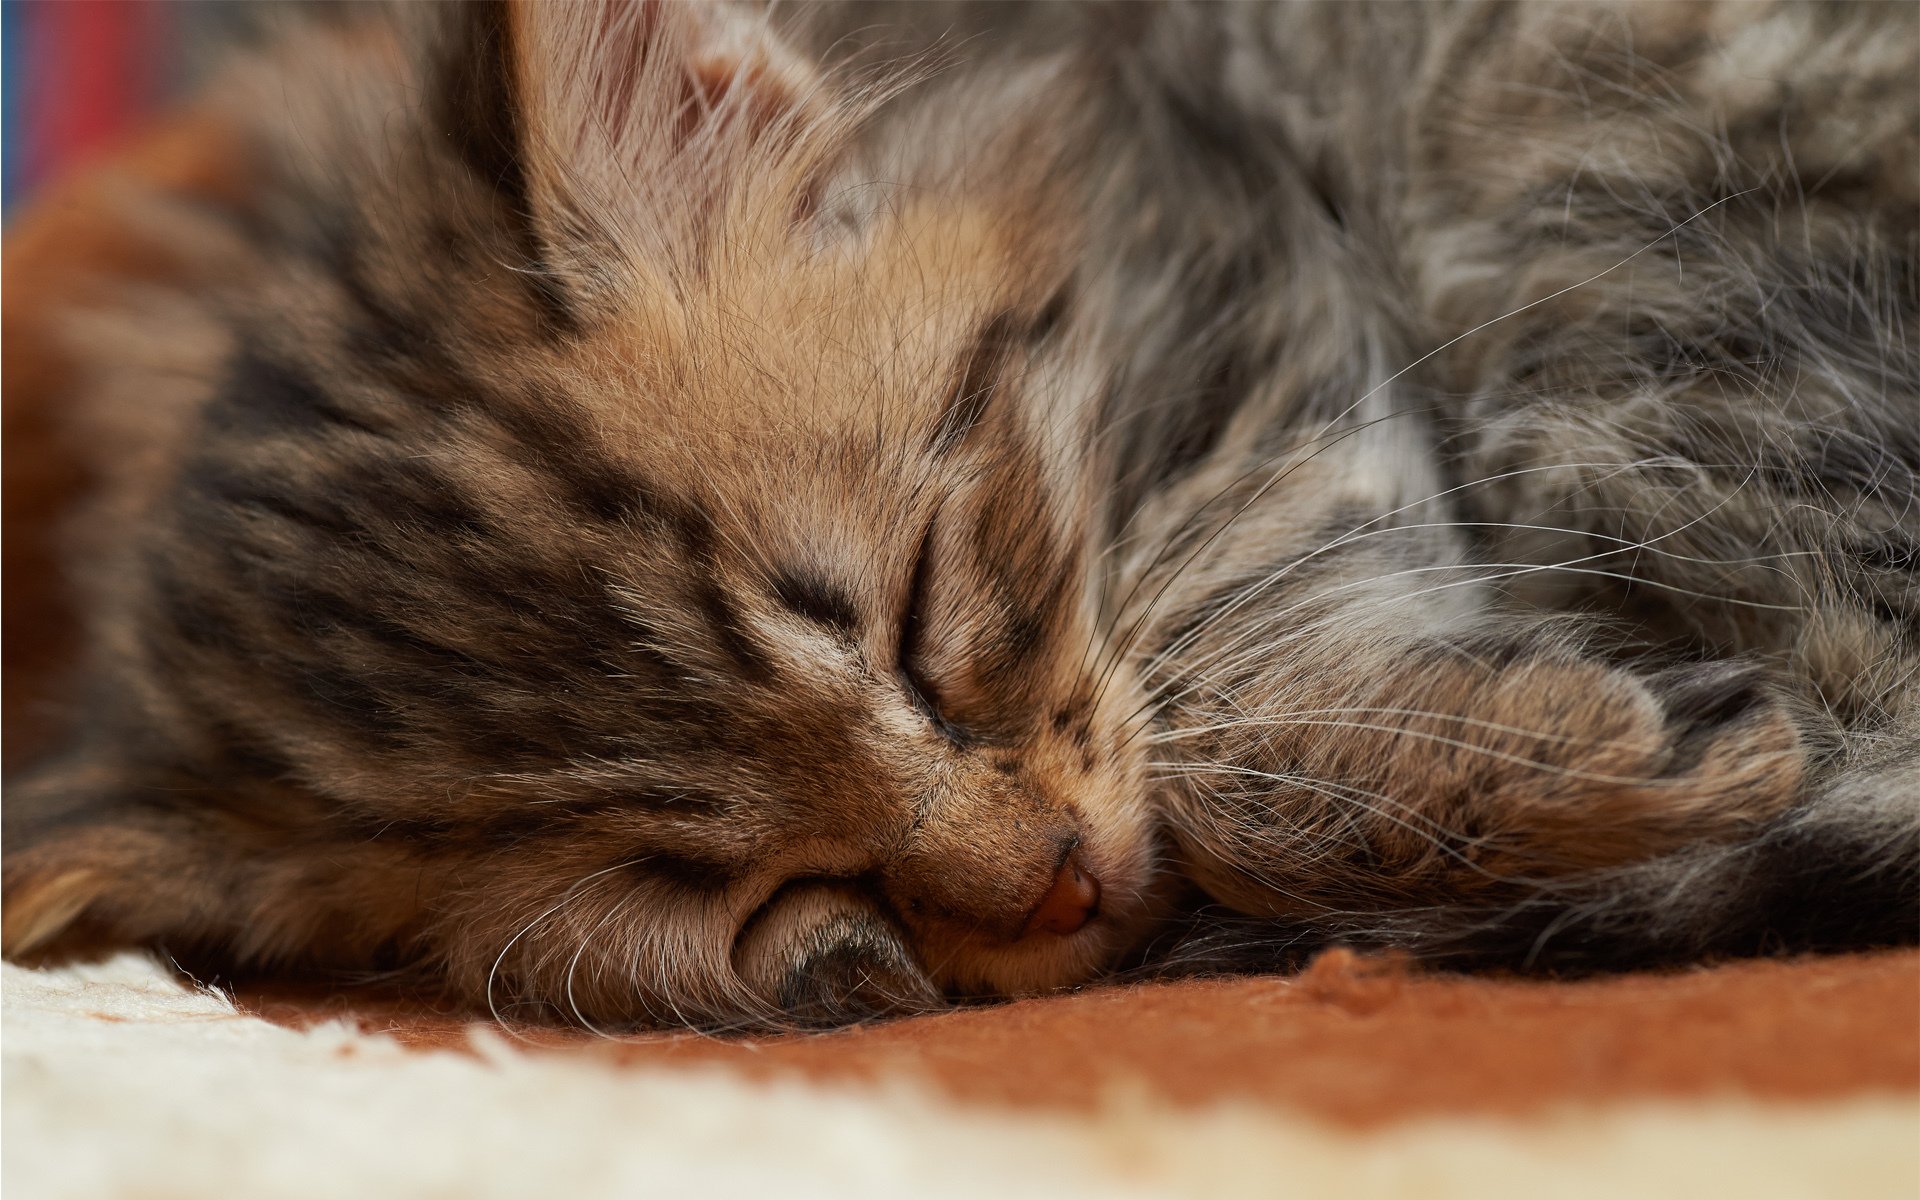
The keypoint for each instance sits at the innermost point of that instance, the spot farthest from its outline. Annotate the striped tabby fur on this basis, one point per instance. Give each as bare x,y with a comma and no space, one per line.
669,517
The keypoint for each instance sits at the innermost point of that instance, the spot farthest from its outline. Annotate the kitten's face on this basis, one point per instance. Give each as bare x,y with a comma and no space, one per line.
836,682
705,634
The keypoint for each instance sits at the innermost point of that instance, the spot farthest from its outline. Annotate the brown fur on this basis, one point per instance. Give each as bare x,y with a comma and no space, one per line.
721,454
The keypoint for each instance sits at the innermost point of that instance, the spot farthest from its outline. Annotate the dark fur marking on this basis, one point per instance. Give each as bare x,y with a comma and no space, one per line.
643,642
842,981
694,529
477,108
193,615
413,491
337,239
446,831
686,871
1008,650
554,435
1839,461
1050,317
347,698
920,690
227,486
981,368
248,756
608,492
1020,637
818,601
1709,696
1499,651
261,393
724,620
318,610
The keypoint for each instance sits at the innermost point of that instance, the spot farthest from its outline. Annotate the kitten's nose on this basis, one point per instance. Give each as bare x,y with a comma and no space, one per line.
1072,901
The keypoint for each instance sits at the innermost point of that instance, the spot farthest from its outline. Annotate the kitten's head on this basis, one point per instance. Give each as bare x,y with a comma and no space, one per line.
620,559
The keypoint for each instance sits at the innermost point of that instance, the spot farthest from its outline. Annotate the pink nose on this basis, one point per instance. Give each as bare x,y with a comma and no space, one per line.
1072,901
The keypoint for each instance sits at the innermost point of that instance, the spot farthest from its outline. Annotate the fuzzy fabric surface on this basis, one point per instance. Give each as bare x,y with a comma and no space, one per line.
122,1080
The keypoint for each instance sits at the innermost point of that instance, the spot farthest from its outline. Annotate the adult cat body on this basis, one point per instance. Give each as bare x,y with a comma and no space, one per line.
653,515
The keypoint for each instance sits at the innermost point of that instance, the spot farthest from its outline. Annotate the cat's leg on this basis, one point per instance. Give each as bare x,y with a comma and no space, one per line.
1347,719
1838,870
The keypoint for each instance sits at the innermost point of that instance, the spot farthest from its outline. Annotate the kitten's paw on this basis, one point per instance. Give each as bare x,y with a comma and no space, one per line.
1569,765
1704,700
1463,776
823,955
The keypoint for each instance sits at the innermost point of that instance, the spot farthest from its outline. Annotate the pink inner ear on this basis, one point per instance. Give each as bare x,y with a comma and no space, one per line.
764,92
656,115
622,50
726,73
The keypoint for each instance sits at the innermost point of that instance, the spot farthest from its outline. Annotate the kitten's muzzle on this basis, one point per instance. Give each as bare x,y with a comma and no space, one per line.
1072,901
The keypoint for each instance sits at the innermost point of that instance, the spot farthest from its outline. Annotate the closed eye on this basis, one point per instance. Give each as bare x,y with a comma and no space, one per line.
913,634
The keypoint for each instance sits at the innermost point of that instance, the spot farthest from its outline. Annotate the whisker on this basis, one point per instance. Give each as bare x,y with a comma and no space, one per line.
566,898
1458,744
573,966
1492,726
1412,822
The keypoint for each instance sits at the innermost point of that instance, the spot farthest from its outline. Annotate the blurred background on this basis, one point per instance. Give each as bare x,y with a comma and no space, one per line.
80,75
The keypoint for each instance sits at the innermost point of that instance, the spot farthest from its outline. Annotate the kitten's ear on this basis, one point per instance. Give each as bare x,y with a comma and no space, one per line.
88,864
624,127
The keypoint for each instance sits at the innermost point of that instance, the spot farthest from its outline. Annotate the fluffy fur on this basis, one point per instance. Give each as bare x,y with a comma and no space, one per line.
664,519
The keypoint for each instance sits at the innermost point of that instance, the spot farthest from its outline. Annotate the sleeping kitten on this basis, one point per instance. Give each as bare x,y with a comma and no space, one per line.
662,517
